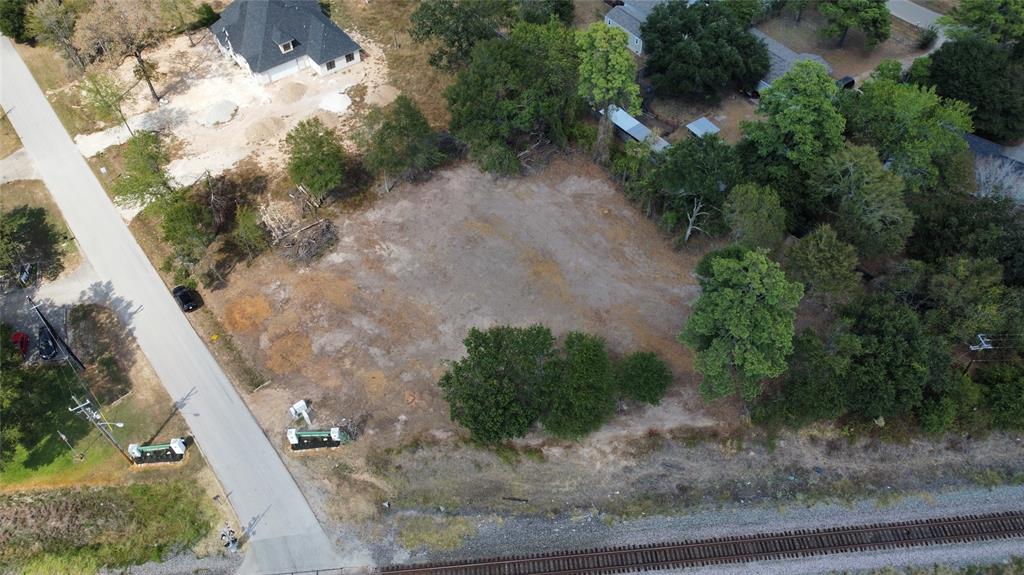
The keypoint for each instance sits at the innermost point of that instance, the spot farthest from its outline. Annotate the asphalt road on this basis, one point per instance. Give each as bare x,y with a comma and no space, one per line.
284,533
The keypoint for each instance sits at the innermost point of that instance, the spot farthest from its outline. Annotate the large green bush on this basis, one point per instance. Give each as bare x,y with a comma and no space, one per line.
641,376
582,397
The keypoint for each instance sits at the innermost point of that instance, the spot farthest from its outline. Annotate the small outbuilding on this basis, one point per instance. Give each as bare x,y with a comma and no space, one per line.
632,127
276,38
702,127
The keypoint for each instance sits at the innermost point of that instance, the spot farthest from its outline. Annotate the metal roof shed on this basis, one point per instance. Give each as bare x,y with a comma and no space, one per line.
702,127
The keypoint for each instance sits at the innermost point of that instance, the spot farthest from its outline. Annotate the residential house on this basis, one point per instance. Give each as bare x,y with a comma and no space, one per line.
630,16
276,38
782,59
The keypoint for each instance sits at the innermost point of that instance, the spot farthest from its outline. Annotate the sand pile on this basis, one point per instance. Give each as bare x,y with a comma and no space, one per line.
337,103
293,92
264,129
219,113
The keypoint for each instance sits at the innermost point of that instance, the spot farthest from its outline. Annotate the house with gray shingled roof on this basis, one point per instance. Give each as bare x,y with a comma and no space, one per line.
630,16
276,38
782,59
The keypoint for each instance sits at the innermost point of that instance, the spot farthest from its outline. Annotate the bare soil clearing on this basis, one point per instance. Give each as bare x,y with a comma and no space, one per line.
363,333
217,115
853,59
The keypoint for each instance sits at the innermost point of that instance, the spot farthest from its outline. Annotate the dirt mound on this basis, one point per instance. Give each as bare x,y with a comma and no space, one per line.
293,92
264,129
246,313
289,353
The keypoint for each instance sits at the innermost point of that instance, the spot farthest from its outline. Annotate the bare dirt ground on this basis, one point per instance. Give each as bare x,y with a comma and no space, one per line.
727,115
363,333
853,59
217,115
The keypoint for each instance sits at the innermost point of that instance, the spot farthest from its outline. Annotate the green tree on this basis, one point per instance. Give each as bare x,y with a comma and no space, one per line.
888,372
12,19
869,16
967,297
53,22
690,185
755,216
702,51
28,236
824,263
801,122
912,128
641,376
515,93
316,159
495,390
456,26
144,178
582,396
872,214
813,386
1000,21
742,325
1004,394
249,232
188,228
399,142
205,16
989,77
541,11
607,77
106,97
120,29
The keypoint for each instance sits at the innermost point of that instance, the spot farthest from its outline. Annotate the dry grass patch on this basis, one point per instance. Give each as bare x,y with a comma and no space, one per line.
9,141
58,82
434,533
388,23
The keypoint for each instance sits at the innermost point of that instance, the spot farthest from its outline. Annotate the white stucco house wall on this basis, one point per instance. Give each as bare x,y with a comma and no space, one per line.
274,39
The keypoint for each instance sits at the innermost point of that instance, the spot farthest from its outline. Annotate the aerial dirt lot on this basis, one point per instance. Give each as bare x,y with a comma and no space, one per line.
363,332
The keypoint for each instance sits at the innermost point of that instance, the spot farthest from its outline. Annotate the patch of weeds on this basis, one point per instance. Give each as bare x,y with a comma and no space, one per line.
889,497
534,454
379,462
342,470
991,478
642,506
506,453
434,533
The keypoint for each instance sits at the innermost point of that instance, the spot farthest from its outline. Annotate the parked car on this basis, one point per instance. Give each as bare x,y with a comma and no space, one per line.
846,83
47,347
188,299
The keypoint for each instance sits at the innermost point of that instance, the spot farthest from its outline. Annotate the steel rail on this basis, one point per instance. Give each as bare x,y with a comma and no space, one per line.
738,549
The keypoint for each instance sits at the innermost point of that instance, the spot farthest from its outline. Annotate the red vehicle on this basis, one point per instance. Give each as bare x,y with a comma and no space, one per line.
20,341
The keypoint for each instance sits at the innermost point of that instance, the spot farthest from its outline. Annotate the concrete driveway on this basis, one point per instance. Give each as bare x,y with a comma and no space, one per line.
283,533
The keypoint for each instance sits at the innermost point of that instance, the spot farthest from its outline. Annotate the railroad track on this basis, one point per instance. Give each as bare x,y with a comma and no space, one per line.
738,549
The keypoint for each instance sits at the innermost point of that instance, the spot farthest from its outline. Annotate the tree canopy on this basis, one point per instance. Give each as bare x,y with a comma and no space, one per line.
494,391
607,77
400,143
967,297
1000,21
742,324
989,77
13,20
755,216
144,178
701,51
514,92
801,123
53,22
122,29
641,376
582,397
316,159
872,214
912,128
889,368
824,263
27,236
457,26
869,16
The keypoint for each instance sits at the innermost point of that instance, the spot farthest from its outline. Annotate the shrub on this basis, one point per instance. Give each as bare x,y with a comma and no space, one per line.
641,376
582,397
494,390
927,37
1004,394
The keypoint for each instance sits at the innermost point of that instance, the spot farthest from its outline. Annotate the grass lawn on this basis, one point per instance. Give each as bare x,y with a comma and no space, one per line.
9,141
56,80
80,530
